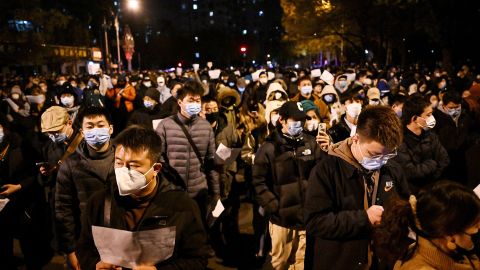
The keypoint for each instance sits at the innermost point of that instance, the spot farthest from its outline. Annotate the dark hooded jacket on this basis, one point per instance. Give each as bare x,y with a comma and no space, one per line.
82,174
335,208
280,174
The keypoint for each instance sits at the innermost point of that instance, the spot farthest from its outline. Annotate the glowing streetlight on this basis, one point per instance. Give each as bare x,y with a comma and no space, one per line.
133,5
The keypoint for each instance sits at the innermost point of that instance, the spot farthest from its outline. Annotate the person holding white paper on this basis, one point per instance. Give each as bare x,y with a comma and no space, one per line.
145,198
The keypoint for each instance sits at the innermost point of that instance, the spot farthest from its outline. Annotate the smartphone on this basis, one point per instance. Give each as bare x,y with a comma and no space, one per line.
40,164
322,128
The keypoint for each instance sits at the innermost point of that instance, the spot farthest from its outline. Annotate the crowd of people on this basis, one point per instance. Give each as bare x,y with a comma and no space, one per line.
356,167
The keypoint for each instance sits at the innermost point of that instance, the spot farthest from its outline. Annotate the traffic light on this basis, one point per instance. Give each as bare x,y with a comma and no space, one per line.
243,49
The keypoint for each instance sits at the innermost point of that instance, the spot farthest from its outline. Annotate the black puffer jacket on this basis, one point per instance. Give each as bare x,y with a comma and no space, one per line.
280,174
169,207
422,158
335,214
83,173
340,131
145,117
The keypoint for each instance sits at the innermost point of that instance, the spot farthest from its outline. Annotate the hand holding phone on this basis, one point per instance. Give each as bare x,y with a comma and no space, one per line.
322,129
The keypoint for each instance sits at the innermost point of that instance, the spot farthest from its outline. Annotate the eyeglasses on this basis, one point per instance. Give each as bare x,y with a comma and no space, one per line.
385,157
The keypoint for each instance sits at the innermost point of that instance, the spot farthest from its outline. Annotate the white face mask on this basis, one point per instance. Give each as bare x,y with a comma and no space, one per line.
312,124
161,82
306,90
147,84
354,109
430,122
67,101
130,181
274,119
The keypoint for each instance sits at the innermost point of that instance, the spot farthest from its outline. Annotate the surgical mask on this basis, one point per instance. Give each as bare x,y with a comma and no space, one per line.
263,81
15,96
399,113
58,138
241,89
329,98
97,137
454,112
354,109
147,84
306,90
430,122
193,108
67,101
342,84
295,128
148,104
312,125
274,119
212,117
370,163
231,84
161,83
130,181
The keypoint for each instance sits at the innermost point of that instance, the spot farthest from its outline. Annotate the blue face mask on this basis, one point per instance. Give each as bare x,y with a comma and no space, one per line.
97,137
370,163
148,104
454,112
241,89
58,138
295,128
306,90
193,108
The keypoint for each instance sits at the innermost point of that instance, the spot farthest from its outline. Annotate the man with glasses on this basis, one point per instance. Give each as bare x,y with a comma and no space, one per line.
347,189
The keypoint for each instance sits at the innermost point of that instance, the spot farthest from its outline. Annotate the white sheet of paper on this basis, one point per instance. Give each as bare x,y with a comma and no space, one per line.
214,74
315,73
477,190
156,122
130,249
353,131
236,72
256,74
270,75
327,77
350,76
3,203
218,209
224,152
196,66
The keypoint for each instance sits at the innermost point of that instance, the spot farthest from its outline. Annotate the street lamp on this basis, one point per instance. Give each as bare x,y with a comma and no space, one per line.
132,5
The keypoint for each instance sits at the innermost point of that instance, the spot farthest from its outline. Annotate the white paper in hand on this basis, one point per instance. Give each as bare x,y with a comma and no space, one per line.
218,209
3,203
327,77
214,74
477,190
315,73
224,152
155,123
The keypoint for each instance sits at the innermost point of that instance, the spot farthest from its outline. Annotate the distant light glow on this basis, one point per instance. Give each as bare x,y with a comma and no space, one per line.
366,51
196,39
133,4
195,6
244,31
297,66
260,13
211,13
197,55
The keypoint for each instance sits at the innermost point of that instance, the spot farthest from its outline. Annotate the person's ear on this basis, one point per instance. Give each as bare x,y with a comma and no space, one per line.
110,129
413,119
156,168
355,138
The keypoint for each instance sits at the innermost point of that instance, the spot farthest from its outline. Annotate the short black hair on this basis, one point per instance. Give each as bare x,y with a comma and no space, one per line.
380,124
193,88
397,99
91,111
414,106
451,96
303,78
137,138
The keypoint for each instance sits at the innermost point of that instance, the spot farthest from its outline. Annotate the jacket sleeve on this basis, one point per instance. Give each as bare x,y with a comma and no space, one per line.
192,250
262,172
129,93
212,174
163,140
65,204
322,217
440,155
87,252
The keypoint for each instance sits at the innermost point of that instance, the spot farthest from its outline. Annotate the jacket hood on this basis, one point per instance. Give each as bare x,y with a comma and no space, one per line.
224,92
275,87
343,150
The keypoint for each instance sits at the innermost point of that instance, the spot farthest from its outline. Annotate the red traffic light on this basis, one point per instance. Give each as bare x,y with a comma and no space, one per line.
243,49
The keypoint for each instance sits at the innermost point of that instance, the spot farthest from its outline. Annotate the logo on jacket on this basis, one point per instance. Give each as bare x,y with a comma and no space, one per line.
388,186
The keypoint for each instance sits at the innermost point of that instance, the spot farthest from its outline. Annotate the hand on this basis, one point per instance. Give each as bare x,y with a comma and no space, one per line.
323,140
106,266
72,259
375,214
145,268
10,189
43,170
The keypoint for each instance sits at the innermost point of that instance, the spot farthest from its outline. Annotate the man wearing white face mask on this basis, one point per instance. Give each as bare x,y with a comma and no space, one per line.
84,172
347,189
421,154
280,172
454,129
305,89
347,126
163,89
145,196
188,145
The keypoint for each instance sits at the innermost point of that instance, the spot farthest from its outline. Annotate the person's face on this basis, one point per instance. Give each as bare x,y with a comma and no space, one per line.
96,121
44,87
464,239
433,99
304,83
263,76
317,90
114,81
452,106
397,107
147,98
312,115
210,107
139,161
161,81
427,112
189,99
364,148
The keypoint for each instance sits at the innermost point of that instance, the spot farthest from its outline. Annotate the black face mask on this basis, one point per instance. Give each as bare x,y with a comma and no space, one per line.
212,117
